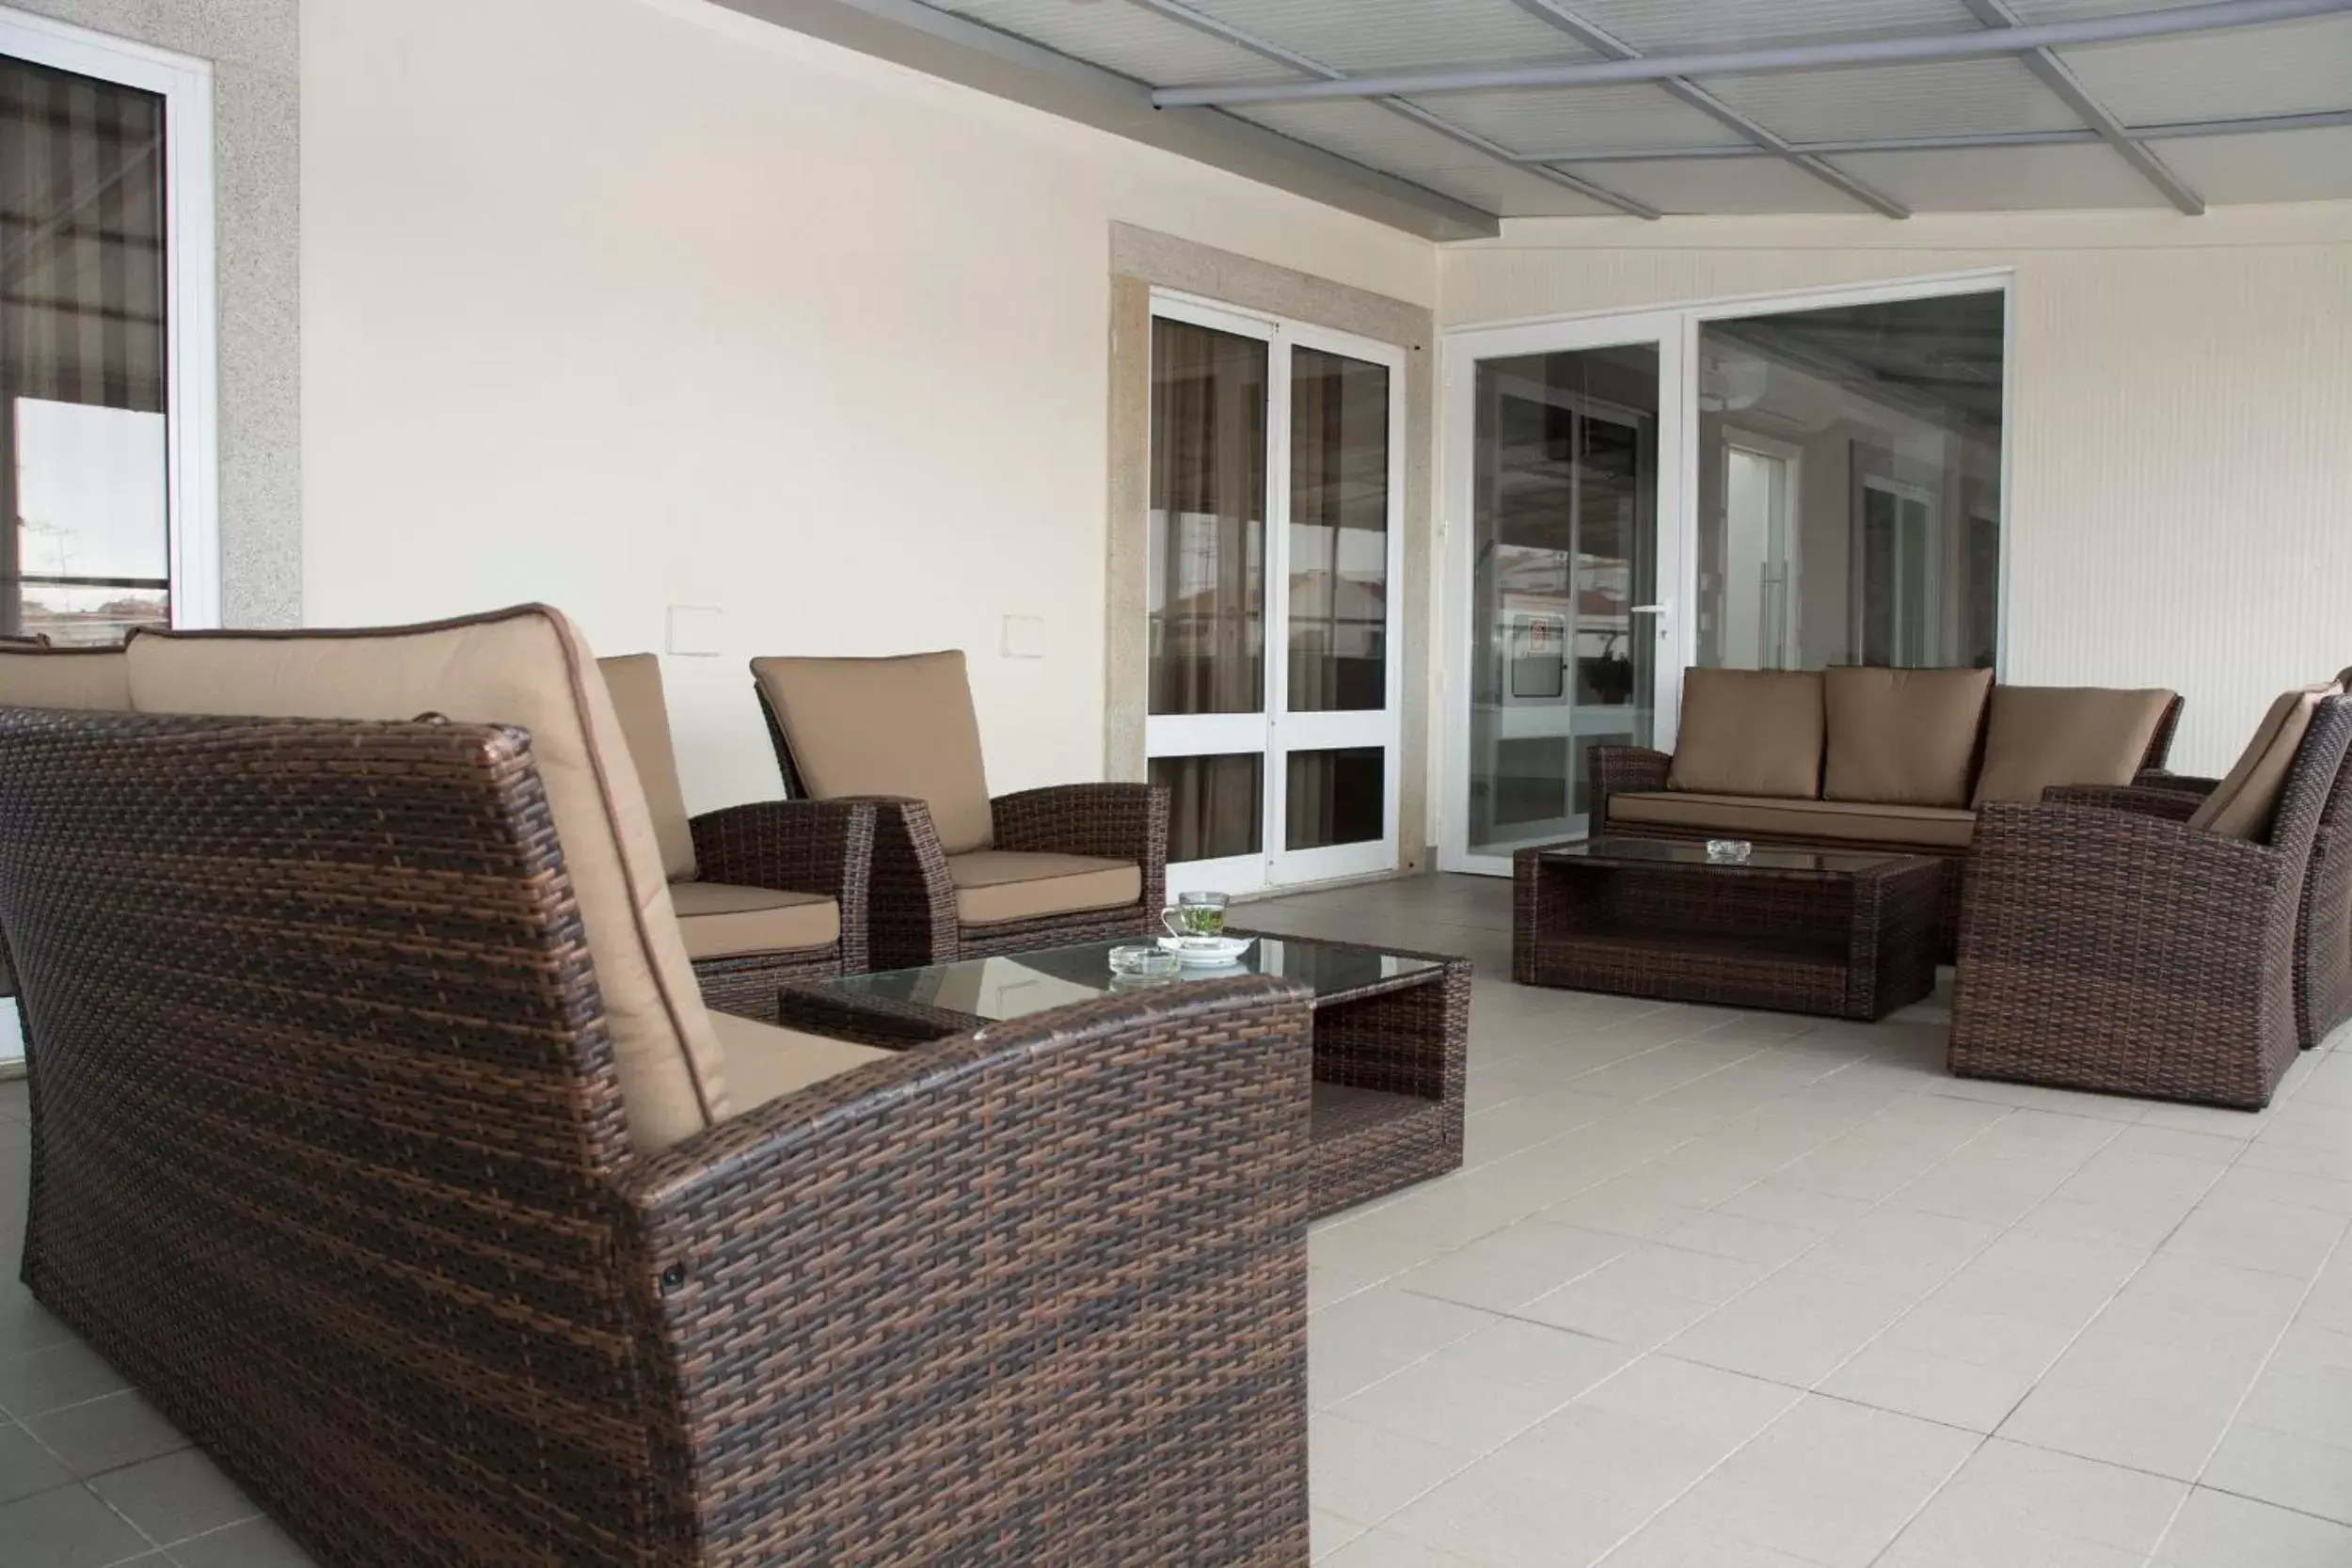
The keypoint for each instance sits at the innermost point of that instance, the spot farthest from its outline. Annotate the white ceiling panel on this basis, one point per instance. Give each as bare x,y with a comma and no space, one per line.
1360,35
1720,185
1945,98
1122,38
1655,27
1367,133
1615,119
2288,69
2285,165
2032,11
2004,179
1511,193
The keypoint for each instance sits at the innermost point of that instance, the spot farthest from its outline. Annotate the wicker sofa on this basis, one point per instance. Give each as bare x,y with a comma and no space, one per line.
2145,942
959,874
766,892
1872,759
381,1136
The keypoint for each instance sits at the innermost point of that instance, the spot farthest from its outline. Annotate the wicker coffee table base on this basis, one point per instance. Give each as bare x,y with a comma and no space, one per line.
1391,1060
1856,945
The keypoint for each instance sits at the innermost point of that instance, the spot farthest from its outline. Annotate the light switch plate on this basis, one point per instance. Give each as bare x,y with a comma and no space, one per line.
696,631
1025,637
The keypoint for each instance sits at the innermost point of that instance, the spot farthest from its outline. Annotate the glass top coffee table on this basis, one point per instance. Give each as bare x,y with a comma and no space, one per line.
1390,1034
1850,933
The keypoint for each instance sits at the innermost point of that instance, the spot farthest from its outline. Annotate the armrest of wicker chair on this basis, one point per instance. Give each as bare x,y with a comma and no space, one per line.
1623,771
2179,784
927,1311
2112,949
910,896
2176,805
823,847
1112,821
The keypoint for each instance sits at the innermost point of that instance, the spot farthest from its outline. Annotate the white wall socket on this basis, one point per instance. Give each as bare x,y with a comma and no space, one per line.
1025,637
697,631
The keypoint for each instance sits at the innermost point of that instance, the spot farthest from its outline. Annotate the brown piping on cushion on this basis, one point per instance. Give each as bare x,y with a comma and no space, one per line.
596,764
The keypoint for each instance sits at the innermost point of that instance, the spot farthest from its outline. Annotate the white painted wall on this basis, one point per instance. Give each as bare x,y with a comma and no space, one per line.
2181,495
619,304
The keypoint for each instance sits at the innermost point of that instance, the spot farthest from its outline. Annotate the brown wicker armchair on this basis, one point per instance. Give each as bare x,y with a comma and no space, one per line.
767,892
957,874
2134,950
347,1150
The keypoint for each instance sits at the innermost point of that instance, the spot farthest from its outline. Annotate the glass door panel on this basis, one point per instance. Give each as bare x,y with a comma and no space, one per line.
1563,590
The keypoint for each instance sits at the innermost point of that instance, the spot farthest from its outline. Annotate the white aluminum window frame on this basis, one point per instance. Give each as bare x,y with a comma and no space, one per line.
1273,732
191,277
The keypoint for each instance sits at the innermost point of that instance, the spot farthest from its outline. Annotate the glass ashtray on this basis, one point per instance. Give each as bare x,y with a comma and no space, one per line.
1731,851
1145,960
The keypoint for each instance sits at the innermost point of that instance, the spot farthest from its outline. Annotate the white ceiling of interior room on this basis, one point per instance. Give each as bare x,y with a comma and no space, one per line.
2253,105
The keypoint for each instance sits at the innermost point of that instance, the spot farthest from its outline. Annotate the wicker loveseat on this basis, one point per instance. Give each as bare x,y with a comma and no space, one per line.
1873,759
959,874
380,1136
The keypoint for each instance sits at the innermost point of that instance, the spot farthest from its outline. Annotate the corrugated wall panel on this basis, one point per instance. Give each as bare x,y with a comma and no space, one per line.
2287,166
1395,34
1946,98
2005,179
2177,514
1121,38
2290,68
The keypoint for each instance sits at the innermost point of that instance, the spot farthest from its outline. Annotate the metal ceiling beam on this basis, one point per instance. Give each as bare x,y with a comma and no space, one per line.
956,49
1604,42
1266,49
2059,79
2256,125
1808,56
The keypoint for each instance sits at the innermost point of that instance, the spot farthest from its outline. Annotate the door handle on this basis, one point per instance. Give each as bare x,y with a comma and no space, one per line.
1648,609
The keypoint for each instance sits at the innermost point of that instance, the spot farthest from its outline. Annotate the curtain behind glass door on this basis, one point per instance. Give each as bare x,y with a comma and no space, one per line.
83,453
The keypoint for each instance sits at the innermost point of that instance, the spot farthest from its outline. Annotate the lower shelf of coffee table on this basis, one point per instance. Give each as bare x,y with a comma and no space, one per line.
1747,968
1368,1143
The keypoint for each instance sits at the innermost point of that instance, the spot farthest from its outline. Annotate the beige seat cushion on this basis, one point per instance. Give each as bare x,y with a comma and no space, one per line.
635,682
2242,805
1749,732
1858,822
528,667
720,920
2039,736
993,885
1901,736
33,677
885,726
764,1062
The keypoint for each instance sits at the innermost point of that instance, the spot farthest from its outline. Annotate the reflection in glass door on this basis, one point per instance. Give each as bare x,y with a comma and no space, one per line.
1273,680
1566,619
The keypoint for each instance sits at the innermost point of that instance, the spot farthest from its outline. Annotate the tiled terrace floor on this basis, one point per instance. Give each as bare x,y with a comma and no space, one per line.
1716,1289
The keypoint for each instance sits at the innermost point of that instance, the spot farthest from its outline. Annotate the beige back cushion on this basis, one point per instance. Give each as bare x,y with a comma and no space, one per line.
2039,736
886,726
2242,805
1903,736
57,677
525,667
1750,732
635,682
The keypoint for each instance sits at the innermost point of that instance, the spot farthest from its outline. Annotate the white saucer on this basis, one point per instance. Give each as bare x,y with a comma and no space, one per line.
1197,952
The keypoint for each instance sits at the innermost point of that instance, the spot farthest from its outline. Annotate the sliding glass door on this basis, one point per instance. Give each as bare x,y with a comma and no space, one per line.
1277,480
1783,484
1564,439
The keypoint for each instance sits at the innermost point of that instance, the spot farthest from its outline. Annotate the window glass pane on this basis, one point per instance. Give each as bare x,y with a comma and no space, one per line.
1335,797
1207,588
83,453
1339,533
1882,427
1215,806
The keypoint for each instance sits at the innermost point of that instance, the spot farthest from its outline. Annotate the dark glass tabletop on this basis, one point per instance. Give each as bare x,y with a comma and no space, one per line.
1607,850
1017,985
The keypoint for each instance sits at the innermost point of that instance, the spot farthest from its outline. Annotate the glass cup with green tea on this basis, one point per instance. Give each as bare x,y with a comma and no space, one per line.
1196,914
